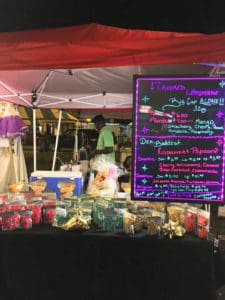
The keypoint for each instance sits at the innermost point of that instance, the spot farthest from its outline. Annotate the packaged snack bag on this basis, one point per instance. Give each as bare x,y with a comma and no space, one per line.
203,223
190,219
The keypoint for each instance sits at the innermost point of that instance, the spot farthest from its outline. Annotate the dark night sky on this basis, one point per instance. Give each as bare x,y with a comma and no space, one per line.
204,16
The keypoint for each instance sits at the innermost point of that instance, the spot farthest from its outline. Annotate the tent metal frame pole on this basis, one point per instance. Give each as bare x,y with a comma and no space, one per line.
57,140
14,93
34,140
42,86
63,100
78,100
75,148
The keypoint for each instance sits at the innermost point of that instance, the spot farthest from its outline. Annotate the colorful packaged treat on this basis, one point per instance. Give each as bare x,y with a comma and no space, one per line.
48,214
138,223
2,210
203,223
50,195
8,221
16,205
190,219
78,222
158,206
35,208
17,219
3,197
49,202
60,217
66,188
98,207
153,225
87,203
25,219
128,223
38,186
173,229
176,213
109,220
17,187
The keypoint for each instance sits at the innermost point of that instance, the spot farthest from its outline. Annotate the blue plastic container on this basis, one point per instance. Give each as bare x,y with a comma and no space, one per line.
52,179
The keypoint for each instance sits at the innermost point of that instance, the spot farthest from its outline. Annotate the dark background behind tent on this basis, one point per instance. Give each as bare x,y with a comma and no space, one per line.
202,16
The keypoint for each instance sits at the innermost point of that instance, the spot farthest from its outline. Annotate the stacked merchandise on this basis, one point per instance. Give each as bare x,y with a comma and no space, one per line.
22,210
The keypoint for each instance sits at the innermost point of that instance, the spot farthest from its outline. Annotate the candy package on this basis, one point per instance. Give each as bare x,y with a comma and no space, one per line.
153,225
35,207
77,222
109,217
176,213
128,222
104,183
203,223
132,223
8,221
190,219
3,197
16,205
158,206
25,219
48,214
60,217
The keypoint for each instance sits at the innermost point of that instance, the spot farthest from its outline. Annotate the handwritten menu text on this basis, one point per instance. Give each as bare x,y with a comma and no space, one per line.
179,139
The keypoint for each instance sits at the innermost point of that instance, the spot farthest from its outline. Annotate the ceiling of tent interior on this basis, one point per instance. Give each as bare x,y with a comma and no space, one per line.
85,92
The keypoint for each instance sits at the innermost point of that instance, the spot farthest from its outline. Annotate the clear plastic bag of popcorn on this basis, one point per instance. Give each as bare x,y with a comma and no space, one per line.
38,186
17,187
66,188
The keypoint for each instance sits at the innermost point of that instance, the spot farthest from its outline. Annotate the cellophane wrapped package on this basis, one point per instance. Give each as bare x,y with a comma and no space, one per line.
203,223
176,213
190,219
48,214
153,225
36,208
104,183
25,219
8,221
132,223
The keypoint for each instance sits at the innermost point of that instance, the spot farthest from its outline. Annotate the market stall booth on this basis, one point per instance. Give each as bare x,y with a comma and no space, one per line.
145,237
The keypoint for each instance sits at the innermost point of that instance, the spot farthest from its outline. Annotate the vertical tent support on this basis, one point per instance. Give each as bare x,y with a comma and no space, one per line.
34,139
75,149
57,140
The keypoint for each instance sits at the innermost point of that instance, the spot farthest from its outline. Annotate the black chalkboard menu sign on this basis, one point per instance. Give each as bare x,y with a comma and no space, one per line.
178,139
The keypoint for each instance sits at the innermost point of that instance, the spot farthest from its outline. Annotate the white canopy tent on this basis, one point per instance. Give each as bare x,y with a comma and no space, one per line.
86,91
89,68
109,88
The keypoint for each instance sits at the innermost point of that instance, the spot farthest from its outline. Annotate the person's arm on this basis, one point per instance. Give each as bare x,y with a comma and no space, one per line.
94,152
106,150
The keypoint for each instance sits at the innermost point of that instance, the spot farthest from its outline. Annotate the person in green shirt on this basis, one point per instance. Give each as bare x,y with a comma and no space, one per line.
105,143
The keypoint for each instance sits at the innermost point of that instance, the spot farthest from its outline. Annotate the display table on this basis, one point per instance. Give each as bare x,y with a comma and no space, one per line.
48,263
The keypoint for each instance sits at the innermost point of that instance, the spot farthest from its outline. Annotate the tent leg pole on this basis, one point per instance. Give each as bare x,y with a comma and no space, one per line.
57,140
34,140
